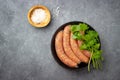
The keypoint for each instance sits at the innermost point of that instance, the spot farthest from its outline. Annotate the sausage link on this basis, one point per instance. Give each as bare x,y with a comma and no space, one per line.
66,45
60,51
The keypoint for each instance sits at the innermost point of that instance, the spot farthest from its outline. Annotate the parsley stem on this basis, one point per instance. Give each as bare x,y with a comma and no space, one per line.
93,62
96,64
90,61
100,64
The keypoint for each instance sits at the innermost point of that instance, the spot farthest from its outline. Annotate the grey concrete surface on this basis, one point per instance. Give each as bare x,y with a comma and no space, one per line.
25,52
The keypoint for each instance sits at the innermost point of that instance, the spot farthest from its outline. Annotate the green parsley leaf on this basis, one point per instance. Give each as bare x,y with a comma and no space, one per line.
83,27
77,35
83,47
80,27
92,34
96,46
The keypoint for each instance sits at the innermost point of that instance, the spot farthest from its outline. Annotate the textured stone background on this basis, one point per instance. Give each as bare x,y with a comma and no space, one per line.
25,52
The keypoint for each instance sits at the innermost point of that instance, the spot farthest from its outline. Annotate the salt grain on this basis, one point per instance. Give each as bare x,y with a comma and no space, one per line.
38,15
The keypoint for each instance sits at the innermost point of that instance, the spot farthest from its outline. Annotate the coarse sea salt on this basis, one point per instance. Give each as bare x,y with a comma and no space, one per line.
38,15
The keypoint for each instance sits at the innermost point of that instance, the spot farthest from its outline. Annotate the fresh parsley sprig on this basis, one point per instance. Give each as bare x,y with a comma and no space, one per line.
91,43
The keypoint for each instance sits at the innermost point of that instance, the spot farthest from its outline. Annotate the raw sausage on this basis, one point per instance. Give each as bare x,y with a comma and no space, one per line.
60,51
77,51
80,42
86,53
66,45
